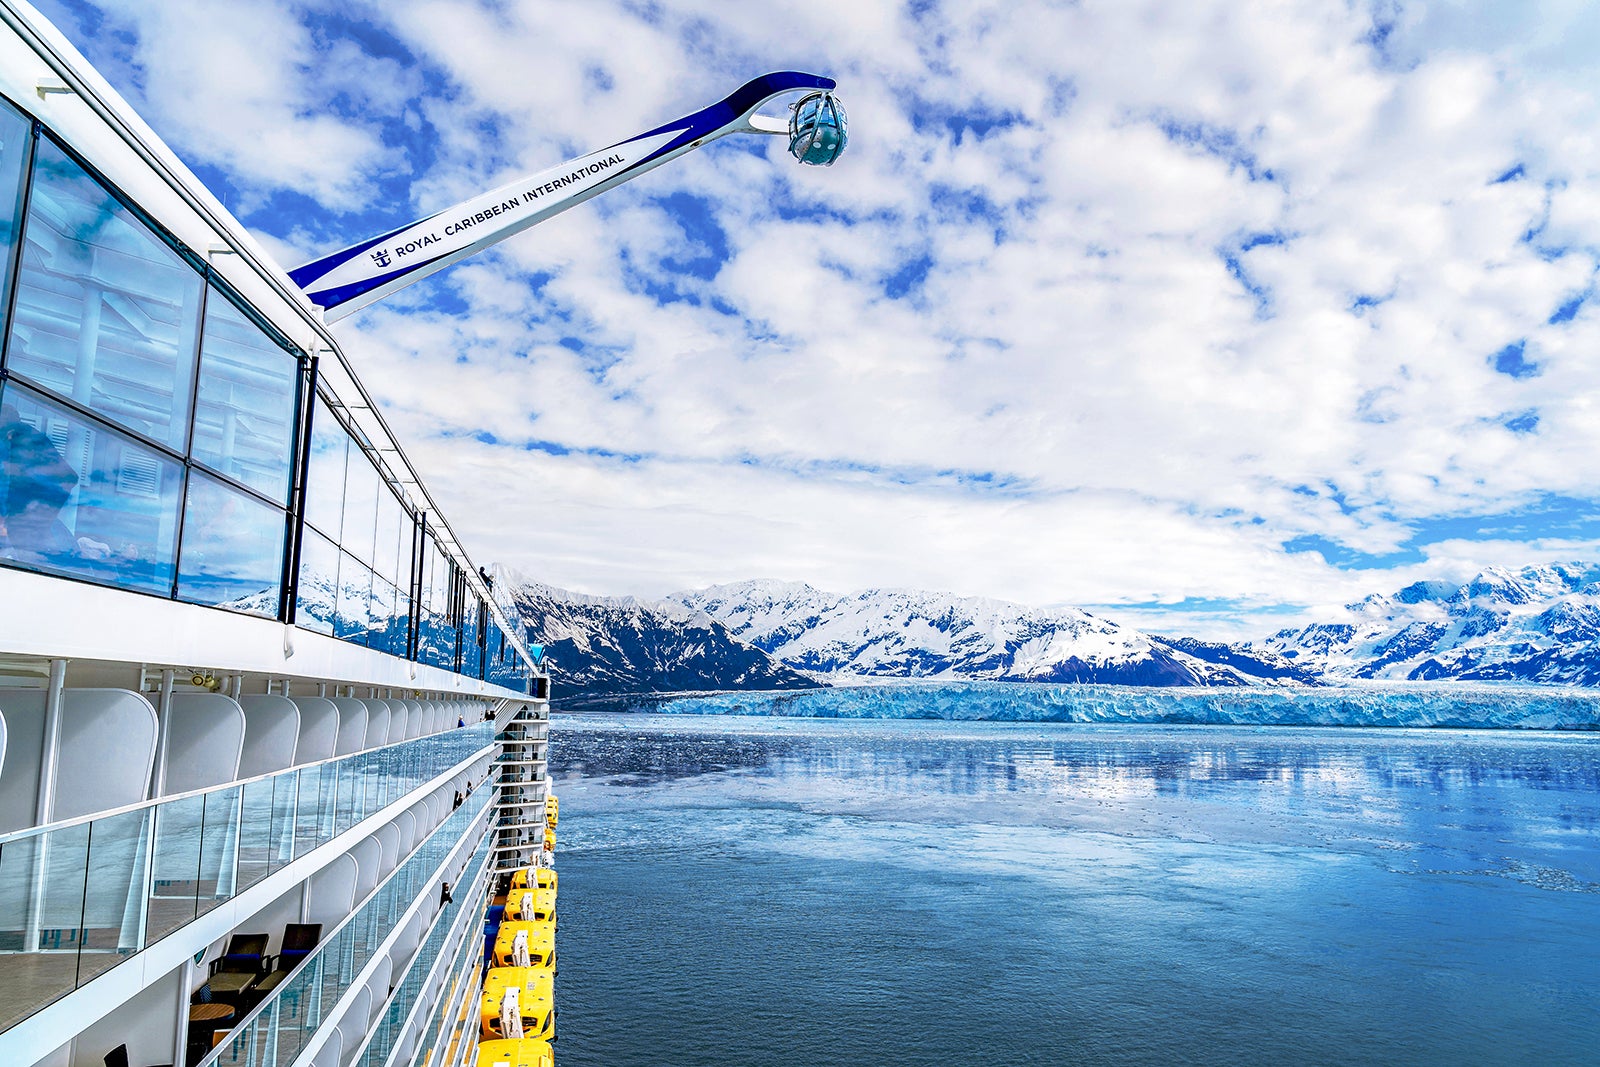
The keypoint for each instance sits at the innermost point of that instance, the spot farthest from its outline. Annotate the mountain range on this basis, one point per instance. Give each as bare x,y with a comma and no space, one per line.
1538,624
601,646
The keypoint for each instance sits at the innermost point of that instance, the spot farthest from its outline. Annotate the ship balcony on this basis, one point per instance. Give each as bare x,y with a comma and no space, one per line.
79,897
376,964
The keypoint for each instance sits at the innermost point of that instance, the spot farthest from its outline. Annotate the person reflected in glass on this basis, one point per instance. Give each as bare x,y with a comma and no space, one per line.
35,484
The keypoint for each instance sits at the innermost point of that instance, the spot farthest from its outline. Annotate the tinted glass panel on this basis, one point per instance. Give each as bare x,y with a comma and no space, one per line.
318,591
232,549
82,499
15,134
244,412
325,472
401,634
386,549
381,617
355,590
360,506
106,313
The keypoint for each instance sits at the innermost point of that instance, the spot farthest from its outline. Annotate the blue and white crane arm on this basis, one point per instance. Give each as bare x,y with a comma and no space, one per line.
364,273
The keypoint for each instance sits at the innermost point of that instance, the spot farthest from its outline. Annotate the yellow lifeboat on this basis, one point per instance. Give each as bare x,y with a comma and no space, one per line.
535,904
525,944
524,1053
530,991
552,809
542,877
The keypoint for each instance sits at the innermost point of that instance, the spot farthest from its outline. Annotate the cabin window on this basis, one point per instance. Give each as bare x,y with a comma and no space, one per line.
16,138
354,613
232,549
82,499
245,407
318,592
107,313
325,472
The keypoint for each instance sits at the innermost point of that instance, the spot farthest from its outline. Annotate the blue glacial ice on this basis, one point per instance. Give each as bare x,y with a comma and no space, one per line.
1409,705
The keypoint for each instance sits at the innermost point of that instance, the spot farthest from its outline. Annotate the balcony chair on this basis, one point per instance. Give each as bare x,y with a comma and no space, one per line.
237,971
298,941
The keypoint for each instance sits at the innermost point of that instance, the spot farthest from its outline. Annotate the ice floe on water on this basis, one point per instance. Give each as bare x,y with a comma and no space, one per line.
1409,705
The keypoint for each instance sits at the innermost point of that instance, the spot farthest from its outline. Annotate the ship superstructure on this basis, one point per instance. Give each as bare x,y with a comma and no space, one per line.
272,748
255,699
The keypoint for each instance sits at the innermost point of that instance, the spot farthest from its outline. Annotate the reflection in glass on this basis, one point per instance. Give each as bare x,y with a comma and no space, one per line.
471,653
355,595
217,858
42,881
232,549
114,915
175,888
386,547
381,612
360,507
106,312
78,498
325,471
318,593
16,133
402,627
244,412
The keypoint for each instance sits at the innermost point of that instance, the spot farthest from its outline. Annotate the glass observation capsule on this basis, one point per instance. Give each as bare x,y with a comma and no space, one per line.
817,130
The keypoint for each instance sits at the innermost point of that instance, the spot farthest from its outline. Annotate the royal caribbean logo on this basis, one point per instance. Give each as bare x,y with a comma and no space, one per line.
381,258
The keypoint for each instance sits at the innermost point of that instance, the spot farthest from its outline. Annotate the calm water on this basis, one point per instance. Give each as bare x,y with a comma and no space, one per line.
752,891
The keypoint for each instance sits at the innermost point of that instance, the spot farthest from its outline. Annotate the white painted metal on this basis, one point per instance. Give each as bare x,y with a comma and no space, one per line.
202,741
271,734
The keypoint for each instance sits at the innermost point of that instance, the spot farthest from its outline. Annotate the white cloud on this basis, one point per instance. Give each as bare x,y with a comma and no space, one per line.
1200,279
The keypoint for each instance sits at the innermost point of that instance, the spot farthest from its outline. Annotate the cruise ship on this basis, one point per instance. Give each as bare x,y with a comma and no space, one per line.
273,748
267,732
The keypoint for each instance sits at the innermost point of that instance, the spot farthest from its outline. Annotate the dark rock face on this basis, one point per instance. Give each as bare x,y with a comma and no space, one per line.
1244,659
601,646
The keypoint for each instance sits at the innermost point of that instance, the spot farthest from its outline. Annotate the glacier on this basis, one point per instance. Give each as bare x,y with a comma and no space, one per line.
1448,705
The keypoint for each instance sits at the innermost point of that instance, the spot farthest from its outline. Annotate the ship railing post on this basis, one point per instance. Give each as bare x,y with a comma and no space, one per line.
158,778
45,803
180,1035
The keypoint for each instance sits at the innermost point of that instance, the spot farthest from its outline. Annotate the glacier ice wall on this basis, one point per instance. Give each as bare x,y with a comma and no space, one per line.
1411,705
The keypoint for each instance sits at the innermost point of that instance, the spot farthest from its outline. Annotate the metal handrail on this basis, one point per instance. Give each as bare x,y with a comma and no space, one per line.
457,927
19,835
332,935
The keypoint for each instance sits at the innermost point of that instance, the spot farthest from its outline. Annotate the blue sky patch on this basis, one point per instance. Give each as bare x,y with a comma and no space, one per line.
1512,361
1569,308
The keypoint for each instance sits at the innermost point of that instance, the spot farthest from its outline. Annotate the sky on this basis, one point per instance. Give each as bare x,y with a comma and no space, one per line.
1208,317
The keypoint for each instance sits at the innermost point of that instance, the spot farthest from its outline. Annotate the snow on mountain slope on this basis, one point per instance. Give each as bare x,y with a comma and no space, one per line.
612,645
904,633
1537,624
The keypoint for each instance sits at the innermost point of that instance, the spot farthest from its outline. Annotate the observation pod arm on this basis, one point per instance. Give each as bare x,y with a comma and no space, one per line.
365,273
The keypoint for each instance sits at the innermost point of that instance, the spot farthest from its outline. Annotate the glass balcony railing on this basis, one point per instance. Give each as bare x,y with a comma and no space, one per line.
452,1012
392,1024
79,898
275,1033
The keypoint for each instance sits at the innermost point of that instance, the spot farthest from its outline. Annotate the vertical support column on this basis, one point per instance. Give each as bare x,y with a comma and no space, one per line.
180,1024
54,696
158,778
49,752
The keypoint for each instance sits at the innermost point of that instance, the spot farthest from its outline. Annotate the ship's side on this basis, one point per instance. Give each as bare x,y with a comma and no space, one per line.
267,734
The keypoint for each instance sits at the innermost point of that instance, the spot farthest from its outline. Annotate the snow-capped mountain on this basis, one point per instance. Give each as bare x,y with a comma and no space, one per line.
613,645
903,633
1537,624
